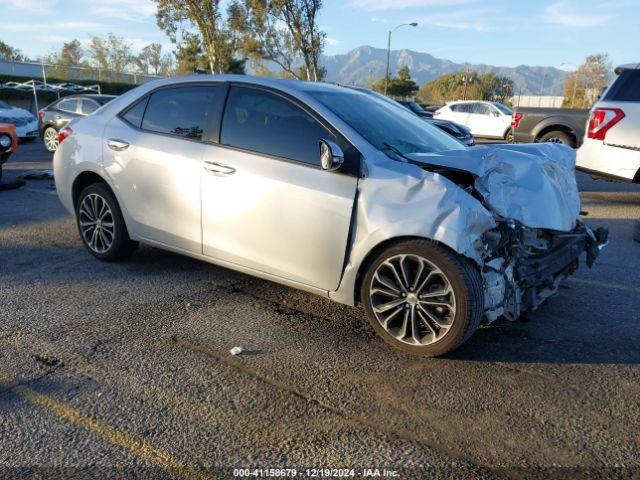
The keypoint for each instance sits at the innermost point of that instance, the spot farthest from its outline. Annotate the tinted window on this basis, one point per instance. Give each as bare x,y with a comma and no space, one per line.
503,109
626,88
180,111
264,122
88,106
69,105
135,113
481,109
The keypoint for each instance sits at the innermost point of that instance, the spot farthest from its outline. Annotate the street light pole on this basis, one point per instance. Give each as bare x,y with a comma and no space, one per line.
386,77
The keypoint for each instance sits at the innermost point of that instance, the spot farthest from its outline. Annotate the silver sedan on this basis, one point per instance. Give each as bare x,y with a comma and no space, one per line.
328,190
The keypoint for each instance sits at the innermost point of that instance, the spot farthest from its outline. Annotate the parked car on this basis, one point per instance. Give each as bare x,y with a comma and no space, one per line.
555,125
484,119
58,114
611,145
416,108
332,191
25,122
456,130
8,143
461,133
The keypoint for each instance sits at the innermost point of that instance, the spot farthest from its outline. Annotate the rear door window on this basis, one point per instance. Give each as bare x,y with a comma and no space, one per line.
88,106
69,105
626,88
264,122
181,111
134,114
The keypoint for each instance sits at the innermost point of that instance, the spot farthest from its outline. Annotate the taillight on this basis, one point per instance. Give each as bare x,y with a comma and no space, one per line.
40,113
601,121
515,119
64,133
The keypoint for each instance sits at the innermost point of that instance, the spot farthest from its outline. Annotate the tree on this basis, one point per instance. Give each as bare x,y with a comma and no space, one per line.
112,53
399,86
176,16
71,55
8,52
468,85
282,31
584,85
189,55
151,60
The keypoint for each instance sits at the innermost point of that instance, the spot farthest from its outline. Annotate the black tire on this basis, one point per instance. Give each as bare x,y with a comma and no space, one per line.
508,136
121,246
465,281
557,136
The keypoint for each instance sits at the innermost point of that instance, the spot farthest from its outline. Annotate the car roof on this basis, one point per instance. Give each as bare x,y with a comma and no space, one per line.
279,83
93,96
627,66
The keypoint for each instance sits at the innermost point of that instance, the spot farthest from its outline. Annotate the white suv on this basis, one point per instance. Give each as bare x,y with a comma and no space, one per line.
612,143
484,119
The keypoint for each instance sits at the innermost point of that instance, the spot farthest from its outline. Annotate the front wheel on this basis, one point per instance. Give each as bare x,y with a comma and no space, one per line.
421,298
101,224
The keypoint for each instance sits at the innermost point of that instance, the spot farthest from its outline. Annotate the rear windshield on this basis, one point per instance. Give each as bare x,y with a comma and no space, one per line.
626,88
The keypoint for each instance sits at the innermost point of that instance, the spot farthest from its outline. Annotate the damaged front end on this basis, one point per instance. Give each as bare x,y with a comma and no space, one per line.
523,266
538,238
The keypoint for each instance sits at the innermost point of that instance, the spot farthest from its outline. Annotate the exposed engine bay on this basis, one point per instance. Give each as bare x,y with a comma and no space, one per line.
538,238
524,267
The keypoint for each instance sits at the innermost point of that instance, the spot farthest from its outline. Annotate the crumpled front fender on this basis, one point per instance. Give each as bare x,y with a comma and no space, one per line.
397,200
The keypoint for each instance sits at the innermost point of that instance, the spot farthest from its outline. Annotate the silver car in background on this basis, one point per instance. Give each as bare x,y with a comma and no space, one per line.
332,191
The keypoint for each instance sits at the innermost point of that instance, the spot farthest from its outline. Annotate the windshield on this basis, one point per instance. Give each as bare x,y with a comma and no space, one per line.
387,127
502,108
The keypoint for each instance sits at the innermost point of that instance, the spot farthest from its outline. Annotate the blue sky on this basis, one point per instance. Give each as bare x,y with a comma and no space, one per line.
501,32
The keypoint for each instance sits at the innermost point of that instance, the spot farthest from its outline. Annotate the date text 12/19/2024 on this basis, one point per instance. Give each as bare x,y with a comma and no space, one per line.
314,473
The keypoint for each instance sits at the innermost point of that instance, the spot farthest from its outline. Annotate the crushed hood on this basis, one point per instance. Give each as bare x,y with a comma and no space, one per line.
534,184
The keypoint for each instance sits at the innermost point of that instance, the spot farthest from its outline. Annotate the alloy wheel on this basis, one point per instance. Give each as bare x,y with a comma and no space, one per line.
51,139
96,223
412,299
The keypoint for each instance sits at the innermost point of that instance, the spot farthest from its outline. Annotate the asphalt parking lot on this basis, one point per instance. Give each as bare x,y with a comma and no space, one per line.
122,370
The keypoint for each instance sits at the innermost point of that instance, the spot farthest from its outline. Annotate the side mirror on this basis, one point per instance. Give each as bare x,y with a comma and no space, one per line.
331,155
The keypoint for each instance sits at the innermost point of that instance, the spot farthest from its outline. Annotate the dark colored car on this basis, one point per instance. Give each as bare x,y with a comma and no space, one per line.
556,125
454,129
416,108
57,115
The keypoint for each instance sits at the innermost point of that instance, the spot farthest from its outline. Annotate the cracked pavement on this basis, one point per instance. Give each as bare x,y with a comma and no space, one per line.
121,370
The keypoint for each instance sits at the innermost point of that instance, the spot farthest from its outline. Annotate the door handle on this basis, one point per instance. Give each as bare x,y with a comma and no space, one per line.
218,168
117,145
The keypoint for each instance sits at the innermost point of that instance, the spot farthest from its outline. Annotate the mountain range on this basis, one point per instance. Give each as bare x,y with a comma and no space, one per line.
363,65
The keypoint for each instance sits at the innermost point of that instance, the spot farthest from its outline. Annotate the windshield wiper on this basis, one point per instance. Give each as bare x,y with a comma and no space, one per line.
397,151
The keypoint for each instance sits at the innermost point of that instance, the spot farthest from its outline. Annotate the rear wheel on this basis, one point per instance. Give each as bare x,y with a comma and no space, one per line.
422,298
557,137
508,137
101,224
50,139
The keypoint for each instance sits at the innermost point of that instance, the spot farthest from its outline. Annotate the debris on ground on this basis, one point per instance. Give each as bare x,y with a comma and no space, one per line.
235,351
